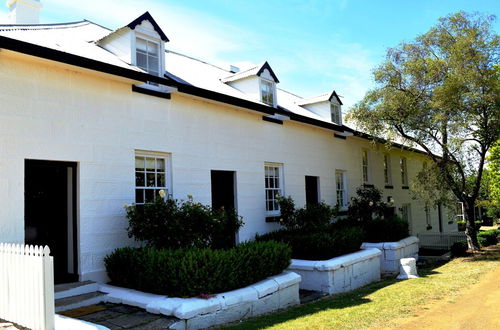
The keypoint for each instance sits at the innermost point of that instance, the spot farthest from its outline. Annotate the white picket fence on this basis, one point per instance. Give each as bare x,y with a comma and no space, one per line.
440,241
27,286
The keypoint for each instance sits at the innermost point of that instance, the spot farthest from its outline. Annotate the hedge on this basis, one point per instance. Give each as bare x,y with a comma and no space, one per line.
194,271
318,245
489,237
386,230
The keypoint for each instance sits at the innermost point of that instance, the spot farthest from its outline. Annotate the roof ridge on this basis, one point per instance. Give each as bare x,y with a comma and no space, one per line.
196,59
49,26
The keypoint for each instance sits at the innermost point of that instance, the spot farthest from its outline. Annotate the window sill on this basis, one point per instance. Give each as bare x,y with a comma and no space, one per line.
273,218
405,187
272,120
368,185
151,91
389,187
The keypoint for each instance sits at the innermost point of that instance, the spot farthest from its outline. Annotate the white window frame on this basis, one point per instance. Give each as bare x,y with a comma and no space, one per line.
403,165
342,188
159,54
365,168
336,113
167,187
387,170
269,188
272,84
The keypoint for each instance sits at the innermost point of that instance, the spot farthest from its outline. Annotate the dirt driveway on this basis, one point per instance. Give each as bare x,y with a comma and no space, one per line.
478,307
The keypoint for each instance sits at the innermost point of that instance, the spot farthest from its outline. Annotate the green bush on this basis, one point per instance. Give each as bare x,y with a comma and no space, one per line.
321,245
191,272
173,225
311,218
459,249
489,237
366,204
461,225
386,230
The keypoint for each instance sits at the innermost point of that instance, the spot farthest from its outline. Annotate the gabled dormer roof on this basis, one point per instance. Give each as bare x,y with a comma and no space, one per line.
147,17
253,71
325,97
132,25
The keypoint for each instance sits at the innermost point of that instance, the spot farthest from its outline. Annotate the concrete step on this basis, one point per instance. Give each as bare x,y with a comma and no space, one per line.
74,289
78,301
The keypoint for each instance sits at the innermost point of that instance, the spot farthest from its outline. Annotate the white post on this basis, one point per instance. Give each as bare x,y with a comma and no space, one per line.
48,288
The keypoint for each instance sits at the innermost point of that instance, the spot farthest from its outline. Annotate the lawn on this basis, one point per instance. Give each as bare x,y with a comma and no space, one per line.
378,303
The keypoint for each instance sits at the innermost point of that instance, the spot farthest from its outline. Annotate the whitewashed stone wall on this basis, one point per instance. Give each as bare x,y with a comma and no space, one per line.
340,274
274,293
392,252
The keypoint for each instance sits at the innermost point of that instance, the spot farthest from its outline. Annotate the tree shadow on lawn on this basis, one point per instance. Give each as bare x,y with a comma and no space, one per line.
349,299
490,253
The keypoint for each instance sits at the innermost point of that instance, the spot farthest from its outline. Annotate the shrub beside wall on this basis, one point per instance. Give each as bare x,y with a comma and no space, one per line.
194,271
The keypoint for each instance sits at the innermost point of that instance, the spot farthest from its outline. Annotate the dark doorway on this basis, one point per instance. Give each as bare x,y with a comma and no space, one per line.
440,218
312,189
50,213
223,189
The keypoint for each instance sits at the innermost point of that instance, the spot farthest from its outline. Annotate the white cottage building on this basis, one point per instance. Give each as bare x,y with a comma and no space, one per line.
91,119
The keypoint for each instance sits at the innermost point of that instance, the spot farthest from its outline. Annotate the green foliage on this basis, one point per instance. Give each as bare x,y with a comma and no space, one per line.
312,217
191,272
172,224
321,245
461,225
459,249
386,230
366,204
489,237
490,184
441,92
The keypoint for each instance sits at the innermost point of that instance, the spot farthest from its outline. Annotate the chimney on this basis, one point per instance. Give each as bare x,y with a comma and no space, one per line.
234,69
24,11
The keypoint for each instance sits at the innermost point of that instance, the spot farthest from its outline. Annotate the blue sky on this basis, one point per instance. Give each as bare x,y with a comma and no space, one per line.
313,46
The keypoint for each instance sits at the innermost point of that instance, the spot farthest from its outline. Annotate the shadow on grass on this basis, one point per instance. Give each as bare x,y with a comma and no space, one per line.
353,298
489,253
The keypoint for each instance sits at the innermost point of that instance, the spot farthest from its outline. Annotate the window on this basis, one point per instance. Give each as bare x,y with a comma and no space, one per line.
267,92
404,171
148,56
340,184
150,177
364,158
336,114
427,215
387,170
406,214
274,187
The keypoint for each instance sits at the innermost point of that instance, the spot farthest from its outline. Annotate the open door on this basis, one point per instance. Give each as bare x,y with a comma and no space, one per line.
50,213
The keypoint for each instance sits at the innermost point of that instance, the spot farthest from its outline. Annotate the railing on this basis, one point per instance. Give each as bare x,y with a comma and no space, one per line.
27,286
440,241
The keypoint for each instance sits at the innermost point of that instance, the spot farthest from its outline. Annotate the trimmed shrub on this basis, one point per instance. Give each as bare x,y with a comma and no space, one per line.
318,245
386,230
461,225
366,204
311,218
459,249
489,237
194,271
171,224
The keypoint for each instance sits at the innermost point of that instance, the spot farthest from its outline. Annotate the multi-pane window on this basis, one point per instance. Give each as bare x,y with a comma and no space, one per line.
427,214
274,187
148,56
150,178
387,170
406,214
267,92
336,114
364,160
404,171
340,184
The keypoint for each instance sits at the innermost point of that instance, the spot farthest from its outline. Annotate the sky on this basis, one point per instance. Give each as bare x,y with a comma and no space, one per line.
313,46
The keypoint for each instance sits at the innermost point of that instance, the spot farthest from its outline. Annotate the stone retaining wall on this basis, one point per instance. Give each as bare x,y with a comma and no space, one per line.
392,252
340,274
269,295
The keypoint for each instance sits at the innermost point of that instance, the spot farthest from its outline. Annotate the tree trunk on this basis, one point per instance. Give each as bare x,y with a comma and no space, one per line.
470,227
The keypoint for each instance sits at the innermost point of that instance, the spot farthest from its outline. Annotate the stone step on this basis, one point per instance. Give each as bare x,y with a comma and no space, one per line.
78,301
74,289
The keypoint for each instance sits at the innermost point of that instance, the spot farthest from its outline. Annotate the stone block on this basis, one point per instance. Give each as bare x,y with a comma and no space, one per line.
266,287
234,313
190,307
286,279
289,296
239,296
267,304
179,325
201,322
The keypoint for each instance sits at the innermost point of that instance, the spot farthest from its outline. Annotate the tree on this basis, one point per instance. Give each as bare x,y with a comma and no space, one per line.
490,186
441,93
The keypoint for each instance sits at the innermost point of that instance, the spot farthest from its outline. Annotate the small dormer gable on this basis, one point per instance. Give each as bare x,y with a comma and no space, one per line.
327,105
140,43
259,82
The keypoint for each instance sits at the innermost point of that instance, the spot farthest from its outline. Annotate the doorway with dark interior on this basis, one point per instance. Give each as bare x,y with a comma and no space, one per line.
312,190
223,191
50,213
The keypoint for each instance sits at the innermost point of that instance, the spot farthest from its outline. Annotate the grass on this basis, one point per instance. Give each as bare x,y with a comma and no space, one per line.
377,304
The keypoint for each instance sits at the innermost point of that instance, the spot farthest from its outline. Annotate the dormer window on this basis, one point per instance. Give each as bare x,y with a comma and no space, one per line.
148,56
267,92
336,114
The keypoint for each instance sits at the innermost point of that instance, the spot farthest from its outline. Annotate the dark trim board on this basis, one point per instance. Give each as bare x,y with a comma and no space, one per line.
368,185
339,136
147,16
272,120
389,187
405,187
150,92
